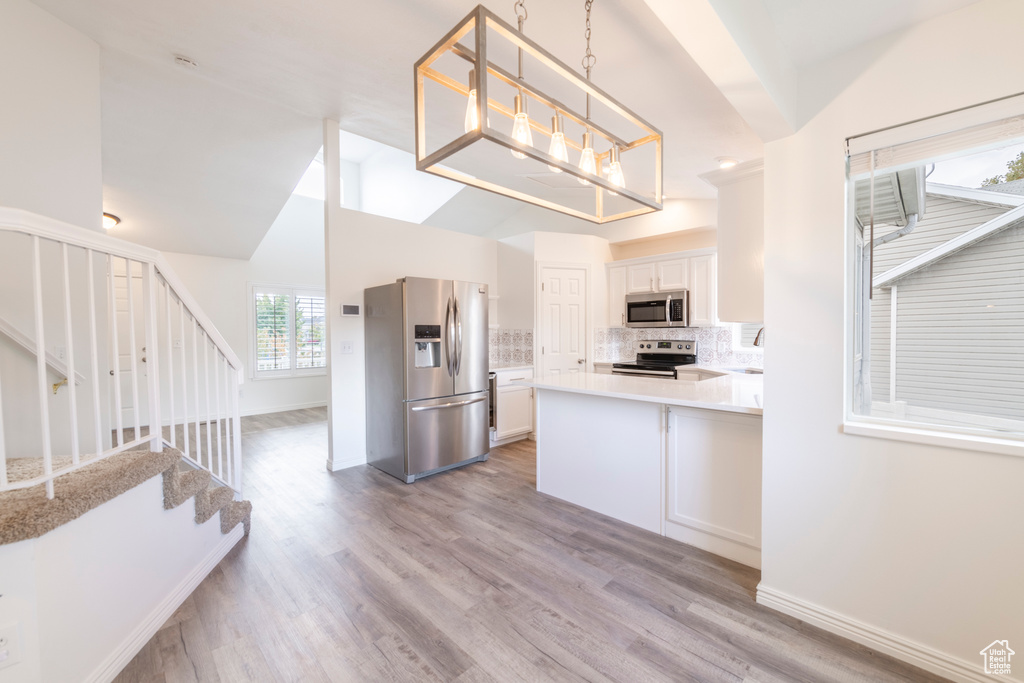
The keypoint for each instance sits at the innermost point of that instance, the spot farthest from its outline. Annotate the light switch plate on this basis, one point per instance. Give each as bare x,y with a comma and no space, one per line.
10,645
347,347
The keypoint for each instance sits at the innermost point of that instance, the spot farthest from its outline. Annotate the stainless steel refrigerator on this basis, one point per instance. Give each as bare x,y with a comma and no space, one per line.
426,376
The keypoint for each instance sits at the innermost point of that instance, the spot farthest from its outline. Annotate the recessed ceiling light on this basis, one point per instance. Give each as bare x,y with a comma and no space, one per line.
186,62
726,162
110,220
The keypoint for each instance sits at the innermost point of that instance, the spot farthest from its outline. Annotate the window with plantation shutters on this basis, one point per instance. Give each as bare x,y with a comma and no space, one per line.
288,331
936,246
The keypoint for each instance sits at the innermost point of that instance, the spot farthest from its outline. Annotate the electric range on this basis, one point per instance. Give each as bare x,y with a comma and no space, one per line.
659,358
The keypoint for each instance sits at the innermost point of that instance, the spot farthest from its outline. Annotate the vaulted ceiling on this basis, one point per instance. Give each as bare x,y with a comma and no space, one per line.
202,159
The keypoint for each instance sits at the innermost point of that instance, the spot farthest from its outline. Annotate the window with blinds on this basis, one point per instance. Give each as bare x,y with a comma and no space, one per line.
936,243
288,334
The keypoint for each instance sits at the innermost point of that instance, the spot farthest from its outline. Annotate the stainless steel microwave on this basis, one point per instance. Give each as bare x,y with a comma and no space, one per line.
658,309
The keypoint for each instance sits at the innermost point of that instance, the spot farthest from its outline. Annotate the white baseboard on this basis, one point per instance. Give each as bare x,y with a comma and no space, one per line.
878,639
119,659
335,465
282,409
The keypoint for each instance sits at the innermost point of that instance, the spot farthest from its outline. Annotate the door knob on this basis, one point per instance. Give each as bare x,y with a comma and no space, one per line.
581,361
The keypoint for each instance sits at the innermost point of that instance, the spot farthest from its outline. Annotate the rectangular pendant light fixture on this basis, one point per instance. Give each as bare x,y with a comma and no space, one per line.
471,144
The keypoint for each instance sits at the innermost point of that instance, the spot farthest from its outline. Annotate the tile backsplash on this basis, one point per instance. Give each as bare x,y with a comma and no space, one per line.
714,344
514,347
511,347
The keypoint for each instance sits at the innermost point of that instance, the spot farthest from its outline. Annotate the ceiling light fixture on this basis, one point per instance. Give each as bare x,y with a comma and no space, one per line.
726,162
110,220
488,40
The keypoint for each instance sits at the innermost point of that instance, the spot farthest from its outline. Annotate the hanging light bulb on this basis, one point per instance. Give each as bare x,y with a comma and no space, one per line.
521,128
615,176
557,148
587,162
472,113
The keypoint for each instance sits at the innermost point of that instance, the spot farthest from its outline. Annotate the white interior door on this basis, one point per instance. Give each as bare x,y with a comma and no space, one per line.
562,322
124,342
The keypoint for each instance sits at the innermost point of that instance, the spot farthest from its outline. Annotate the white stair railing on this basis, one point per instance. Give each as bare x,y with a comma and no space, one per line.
156,363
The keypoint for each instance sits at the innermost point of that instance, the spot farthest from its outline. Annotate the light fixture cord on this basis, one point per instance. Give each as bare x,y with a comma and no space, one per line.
589,60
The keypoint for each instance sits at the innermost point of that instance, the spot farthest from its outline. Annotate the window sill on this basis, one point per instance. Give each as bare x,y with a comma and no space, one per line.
320,372
967,442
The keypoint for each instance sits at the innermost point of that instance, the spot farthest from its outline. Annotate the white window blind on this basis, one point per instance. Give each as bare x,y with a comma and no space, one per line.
986,126
288,331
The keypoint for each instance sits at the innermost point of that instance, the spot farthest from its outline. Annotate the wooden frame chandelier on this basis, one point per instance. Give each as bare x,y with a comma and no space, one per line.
595,157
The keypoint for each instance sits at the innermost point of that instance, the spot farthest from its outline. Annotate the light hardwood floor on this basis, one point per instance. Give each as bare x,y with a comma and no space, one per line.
470,575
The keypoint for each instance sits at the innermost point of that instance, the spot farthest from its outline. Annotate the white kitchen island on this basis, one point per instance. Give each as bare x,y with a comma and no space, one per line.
679,458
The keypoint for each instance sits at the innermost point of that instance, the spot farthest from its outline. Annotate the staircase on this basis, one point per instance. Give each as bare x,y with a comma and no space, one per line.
28,513
111,374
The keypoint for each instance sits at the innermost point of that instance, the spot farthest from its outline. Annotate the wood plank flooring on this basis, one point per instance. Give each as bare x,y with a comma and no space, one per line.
470,575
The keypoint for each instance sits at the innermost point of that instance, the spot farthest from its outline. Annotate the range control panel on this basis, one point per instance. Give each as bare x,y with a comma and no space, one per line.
668,346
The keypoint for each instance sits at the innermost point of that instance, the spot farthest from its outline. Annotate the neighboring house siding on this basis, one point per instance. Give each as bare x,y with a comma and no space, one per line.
880,348
944,219
961,320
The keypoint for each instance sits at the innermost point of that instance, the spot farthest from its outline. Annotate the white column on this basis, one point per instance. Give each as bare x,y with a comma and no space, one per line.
332,219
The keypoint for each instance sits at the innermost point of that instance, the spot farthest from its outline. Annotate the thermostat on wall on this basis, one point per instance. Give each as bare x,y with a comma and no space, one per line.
349,309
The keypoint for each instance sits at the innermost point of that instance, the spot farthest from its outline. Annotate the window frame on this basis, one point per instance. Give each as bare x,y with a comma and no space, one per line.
909,430
292,292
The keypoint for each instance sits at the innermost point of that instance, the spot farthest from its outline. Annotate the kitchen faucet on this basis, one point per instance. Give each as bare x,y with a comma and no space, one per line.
757,340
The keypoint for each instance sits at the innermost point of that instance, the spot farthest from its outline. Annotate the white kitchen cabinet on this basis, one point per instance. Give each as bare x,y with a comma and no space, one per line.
513,405
616,296
714,482
640,277
693,270
673,274
702,286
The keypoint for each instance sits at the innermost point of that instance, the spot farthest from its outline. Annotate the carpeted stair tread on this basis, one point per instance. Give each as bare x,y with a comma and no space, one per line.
211,501
20,469
27,513
235,512
180,485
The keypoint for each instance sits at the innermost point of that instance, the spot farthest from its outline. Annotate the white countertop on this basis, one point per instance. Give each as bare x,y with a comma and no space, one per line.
733,393
497,367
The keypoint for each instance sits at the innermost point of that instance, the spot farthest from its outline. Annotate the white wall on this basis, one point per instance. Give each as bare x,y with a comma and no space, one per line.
50,118
85,592
516,282
366,251
921,542
291,253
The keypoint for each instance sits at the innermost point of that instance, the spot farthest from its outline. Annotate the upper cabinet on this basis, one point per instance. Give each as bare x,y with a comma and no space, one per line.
617,296
674,274
691,270
702,288
640,278
740,241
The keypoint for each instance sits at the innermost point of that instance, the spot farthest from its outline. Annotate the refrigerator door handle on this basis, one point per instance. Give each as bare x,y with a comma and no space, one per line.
454,404
458,337
448,338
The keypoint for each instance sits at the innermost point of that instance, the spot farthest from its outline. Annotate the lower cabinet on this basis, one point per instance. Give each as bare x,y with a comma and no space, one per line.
714,482
513,416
